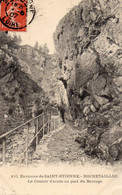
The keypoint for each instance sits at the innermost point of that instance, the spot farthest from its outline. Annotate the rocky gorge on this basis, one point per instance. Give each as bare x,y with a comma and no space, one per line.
83,78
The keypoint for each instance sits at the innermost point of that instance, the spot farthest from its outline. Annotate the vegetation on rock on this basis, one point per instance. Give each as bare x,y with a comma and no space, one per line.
21,94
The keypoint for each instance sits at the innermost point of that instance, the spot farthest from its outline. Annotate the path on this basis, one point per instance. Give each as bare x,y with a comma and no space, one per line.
59,146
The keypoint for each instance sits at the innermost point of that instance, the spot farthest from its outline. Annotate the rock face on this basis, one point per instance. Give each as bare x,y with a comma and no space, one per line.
42,68
88,42
20,96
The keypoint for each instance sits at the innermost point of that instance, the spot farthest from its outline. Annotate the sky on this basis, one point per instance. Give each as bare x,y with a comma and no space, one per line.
48,15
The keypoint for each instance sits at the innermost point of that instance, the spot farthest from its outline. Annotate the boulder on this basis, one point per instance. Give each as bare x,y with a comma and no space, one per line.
81,141
101,100
98,85
86,110
93,109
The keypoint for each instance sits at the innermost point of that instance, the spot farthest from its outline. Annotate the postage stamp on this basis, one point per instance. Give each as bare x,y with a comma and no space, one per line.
14,14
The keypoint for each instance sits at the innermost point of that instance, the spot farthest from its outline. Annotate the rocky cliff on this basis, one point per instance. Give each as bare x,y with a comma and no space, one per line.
20,96
42,68
88,42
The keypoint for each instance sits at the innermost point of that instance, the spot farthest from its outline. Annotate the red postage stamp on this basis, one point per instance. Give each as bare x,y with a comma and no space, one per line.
13,15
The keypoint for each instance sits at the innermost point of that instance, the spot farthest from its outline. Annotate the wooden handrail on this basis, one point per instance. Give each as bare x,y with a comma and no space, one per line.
37,131
34,137
11,131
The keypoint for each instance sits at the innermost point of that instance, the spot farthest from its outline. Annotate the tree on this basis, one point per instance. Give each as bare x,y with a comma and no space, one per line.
3,38
36,45
40,48
11,42
16,39
45,48
19,39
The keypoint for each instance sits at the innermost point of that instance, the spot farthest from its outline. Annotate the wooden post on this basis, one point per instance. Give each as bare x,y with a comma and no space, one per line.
4,151
59,118
27,140
48,123
54,123
37,129
43,125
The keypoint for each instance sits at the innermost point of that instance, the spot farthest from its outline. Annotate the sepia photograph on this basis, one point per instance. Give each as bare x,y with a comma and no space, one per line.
60,97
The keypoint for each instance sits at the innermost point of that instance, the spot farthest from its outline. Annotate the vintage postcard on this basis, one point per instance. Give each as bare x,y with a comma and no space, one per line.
60,97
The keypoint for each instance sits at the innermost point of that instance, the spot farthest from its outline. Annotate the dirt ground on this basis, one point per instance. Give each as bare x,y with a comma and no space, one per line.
59,146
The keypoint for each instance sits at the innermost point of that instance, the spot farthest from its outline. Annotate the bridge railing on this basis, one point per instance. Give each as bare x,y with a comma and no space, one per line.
28,135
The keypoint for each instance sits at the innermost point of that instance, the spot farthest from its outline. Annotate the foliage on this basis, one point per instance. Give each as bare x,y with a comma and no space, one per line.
43,49
36,46
10,42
